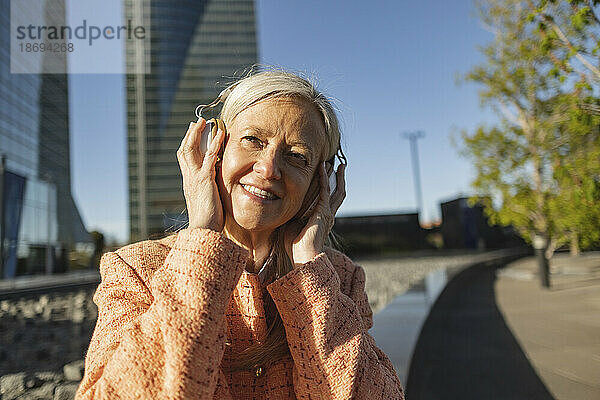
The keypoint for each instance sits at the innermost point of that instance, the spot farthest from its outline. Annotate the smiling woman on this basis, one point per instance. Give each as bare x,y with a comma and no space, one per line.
249,301
268,164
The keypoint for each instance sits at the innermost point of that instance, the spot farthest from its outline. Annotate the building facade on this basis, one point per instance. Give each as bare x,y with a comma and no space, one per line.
195,49
380,234
40,222
466,226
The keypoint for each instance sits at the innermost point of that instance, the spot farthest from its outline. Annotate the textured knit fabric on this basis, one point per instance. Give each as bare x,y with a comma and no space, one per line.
167,307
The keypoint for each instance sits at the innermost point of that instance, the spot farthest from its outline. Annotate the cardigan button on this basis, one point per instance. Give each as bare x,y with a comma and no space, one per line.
258,371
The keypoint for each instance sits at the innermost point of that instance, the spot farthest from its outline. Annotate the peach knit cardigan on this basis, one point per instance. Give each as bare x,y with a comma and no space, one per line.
167,307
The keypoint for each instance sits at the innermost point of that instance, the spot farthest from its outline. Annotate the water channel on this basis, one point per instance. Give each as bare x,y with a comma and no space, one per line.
396,328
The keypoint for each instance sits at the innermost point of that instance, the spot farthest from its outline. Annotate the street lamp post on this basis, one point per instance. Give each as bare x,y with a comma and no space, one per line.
414,151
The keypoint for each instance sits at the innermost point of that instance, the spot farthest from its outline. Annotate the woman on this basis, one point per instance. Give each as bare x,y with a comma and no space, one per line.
247,302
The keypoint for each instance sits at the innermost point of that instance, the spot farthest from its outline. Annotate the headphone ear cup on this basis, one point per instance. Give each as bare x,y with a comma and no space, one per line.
219,124
329,168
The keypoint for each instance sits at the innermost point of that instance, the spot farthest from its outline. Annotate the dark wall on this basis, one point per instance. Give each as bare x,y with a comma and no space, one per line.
380,234
466,227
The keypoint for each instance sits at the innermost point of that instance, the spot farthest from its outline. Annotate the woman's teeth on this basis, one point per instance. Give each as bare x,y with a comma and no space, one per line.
260,193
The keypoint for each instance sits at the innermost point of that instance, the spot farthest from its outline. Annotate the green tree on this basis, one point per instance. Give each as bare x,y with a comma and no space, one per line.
513,160
537,165
575,208
570,35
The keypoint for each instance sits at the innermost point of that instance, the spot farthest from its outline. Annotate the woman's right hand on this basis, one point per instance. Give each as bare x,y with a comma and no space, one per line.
204,206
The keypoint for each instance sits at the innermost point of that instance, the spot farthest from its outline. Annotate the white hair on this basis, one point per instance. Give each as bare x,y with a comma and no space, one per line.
276,83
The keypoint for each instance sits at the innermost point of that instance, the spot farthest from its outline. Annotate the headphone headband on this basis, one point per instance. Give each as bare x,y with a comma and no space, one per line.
221,97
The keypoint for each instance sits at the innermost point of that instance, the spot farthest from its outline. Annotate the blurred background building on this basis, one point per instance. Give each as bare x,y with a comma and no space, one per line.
466,226
194,45
380,234
462,227
40,223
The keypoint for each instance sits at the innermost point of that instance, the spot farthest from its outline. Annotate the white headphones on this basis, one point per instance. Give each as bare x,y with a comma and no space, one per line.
221,97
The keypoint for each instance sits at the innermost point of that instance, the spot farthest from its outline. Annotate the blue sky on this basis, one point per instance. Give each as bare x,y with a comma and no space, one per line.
391,65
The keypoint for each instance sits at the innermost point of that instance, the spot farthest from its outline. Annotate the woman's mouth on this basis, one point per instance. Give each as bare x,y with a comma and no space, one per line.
259,193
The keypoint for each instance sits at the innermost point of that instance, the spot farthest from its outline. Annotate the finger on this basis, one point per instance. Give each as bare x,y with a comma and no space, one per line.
196,135
210,159
187,152
340,191
182,145
324,194
192,132
183,153
322,214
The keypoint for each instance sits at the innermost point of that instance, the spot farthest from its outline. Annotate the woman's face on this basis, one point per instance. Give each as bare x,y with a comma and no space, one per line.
272,152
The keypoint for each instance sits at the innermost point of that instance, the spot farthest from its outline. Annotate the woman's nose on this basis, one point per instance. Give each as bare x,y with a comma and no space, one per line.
268,166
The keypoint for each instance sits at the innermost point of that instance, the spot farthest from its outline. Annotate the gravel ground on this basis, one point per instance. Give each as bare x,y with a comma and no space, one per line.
388,278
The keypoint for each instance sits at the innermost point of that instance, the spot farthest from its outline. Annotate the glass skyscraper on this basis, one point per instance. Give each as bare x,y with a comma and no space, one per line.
39,221
194,45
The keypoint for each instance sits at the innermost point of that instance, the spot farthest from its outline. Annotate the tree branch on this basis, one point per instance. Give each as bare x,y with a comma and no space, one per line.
591,108
507,113
570,46
594,16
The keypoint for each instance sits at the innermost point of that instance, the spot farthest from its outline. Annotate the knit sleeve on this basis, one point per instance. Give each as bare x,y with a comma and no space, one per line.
327,331
165,340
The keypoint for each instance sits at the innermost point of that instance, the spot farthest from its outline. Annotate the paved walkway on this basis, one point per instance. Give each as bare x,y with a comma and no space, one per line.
496,334
398,325
558,329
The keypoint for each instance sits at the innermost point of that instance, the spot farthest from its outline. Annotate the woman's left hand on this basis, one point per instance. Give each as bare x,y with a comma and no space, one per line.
311,239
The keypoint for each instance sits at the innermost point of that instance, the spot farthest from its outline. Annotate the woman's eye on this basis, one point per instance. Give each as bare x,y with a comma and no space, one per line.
252,139
298,156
